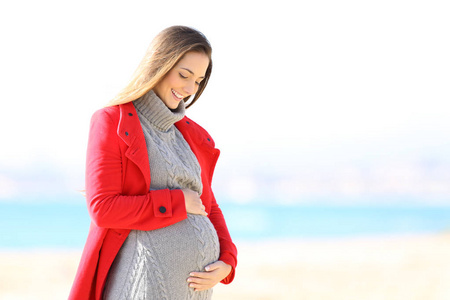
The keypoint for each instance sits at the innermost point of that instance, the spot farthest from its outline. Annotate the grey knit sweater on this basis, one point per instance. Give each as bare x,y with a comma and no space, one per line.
156,264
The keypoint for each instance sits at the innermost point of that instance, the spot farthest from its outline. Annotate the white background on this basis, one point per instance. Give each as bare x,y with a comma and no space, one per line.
306,98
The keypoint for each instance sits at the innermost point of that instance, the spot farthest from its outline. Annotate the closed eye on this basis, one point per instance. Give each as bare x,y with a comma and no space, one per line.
185,77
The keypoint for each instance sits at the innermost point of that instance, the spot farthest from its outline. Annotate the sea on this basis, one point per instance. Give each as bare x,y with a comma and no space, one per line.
64,224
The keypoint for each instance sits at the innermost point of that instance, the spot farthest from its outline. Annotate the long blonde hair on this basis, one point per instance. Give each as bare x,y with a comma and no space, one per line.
164,52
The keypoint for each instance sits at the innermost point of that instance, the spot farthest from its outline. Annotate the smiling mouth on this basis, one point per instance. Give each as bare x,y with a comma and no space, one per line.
177,95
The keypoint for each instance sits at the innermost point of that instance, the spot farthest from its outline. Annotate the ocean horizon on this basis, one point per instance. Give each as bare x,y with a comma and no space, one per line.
65,224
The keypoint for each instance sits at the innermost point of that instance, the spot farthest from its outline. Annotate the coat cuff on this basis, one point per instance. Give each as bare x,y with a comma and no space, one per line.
230,260
167,203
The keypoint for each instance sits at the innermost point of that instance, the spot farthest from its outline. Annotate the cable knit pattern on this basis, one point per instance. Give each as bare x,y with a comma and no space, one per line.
168,151
155,264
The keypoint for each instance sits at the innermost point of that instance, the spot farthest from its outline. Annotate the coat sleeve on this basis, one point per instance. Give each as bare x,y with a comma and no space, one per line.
228,251
199,136
107,205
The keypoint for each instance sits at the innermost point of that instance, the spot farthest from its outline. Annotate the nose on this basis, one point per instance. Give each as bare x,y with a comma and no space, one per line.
190,87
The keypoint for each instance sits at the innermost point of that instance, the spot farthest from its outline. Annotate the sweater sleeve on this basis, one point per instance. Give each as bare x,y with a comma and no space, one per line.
107,205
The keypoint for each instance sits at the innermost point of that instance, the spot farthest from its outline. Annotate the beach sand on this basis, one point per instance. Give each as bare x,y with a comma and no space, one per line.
401,268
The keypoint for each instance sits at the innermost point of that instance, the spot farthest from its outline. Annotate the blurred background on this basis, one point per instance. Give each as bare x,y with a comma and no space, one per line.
332,117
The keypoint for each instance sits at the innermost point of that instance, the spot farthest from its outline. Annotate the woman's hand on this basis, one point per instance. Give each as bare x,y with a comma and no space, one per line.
193,203
215,272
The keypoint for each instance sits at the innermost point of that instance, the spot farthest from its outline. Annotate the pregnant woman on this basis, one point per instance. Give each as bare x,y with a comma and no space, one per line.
156,231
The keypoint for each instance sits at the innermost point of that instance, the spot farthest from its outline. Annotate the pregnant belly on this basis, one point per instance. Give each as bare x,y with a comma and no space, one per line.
158,262
192,242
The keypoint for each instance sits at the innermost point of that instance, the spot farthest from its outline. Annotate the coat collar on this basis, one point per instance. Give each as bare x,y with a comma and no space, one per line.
130,131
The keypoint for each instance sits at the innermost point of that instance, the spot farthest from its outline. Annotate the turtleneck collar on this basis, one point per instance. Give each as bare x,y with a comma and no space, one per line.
151,107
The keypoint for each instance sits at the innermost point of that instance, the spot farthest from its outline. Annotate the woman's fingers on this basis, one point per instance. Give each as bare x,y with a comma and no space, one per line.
215,272
200,284
200,275
198,281
193,203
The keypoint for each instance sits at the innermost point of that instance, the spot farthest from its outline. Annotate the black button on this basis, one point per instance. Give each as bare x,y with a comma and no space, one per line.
209,140
187,122
130,114
162,209
126,133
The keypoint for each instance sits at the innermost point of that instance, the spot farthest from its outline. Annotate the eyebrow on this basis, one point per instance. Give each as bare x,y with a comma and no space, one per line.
192,72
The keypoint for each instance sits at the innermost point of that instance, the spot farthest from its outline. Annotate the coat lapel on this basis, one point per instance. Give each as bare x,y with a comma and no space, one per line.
202,145
130,131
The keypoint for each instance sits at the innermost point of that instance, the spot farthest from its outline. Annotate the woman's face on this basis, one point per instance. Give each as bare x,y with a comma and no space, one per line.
183,79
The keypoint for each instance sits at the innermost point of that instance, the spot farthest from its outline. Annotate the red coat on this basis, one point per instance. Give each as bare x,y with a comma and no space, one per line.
118,196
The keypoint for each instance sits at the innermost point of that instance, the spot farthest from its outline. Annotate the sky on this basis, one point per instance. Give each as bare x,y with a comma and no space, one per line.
299,88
